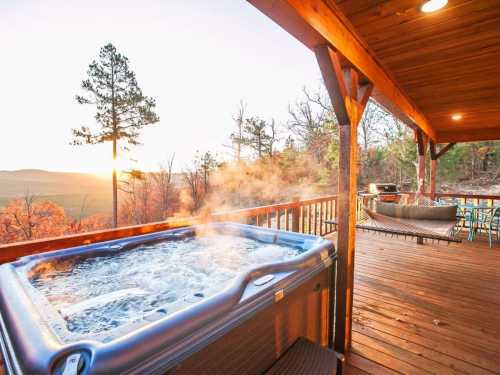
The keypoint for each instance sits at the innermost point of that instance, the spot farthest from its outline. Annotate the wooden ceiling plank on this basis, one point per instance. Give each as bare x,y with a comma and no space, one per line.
325,24
446,62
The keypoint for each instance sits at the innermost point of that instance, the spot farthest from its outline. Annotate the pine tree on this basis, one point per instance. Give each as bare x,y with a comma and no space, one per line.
121,108
255,135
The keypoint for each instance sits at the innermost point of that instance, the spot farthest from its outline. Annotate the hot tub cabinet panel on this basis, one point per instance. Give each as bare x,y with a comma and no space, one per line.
245,326
255,345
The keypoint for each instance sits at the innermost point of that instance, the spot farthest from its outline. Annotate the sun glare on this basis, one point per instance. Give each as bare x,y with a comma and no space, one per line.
105,168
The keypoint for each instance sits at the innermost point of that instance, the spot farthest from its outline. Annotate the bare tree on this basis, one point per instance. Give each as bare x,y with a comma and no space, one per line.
373,121
28,218
76,225
273,138
137,187
194,183
313,123
237,136
164,185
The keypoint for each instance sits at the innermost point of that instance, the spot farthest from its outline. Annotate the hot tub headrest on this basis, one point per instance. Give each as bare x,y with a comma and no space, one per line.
447,213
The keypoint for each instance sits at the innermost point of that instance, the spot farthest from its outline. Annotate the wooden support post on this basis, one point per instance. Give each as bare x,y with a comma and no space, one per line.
421,148
349,100
432,149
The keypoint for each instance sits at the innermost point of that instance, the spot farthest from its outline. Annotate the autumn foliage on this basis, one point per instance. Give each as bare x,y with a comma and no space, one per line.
27,218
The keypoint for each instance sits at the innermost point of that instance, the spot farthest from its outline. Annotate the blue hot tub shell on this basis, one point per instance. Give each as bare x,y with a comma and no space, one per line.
30,346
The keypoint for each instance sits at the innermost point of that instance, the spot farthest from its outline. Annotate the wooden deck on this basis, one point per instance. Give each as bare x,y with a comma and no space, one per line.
425,309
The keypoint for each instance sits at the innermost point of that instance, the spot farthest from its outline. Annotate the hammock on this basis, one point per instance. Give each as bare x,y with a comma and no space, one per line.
440,230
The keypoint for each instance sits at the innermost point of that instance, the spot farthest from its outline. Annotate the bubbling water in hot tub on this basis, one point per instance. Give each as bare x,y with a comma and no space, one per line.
96,295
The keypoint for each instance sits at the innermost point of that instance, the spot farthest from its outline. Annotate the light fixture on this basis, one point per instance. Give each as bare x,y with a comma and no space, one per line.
456,117
433,5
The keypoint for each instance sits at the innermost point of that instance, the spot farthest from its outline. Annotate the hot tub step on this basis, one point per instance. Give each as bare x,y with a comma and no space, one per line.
305,358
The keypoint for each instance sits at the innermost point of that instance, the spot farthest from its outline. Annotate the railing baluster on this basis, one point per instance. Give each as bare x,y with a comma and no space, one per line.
268,217
278,219
309,219
320,218
302,218
286,219
315,219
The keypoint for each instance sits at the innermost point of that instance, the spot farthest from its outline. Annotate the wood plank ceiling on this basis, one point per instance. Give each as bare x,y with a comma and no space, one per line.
446,62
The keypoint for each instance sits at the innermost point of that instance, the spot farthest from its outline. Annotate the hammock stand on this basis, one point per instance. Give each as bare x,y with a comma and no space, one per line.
435,230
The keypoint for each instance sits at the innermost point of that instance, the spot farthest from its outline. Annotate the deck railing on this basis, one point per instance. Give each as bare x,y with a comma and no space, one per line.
483,199
304,216
488,200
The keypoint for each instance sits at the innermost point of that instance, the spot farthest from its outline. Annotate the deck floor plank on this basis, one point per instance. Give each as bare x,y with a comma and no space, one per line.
431,309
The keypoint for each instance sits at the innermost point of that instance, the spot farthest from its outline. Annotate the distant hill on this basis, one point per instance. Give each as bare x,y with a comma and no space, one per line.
67,189
39,182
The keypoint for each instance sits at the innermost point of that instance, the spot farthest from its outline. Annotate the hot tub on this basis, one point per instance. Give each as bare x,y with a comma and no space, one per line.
214,298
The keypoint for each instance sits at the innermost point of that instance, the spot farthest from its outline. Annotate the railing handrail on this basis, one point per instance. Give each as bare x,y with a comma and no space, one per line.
13,251
261,210
459,195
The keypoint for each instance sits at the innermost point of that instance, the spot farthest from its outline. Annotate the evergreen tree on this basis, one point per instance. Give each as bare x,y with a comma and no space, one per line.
256,137
121,108
206,164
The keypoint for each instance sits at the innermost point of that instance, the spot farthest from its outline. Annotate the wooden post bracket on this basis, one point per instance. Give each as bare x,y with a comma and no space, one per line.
445,149
434,157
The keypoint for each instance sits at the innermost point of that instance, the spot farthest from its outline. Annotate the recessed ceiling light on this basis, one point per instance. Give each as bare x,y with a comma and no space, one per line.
433,5
456,117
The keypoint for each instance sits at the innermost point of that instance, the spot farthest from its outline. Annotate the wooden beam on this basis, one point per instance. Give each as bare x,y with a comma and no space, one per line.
344,90
468,135
432,150
444,150
316,22
421,142
337,91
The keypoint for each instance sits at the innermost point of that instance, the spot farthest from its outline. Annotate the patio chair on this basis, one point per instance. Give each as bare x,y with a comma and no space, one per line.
494,226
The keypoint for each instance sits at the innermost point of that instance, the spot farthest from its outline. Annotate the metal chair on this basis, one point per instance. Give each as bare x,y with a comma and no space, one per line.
494,226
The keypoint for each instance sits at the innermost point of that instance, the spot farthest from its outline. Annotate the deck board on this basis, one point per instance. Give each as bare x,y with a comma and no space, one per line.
431,309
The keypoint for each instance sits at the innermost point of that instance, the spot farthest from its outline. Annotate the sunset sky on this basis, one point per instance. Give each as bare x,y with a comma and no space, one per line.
197,58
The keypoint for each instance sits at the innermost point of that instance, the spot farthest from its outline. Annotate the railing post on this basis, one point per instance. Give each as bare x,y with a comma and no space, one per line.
296,215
